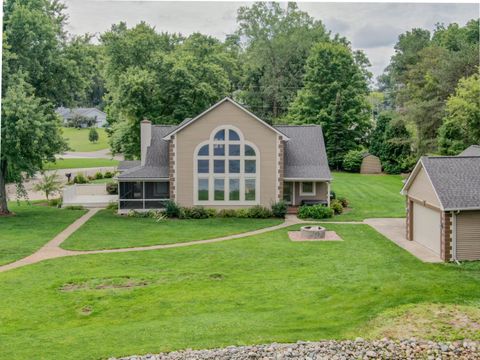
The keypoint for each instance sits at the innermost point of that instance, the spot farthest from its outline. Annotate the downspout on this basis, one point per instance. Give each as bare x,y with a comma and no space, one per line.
328,193
454,236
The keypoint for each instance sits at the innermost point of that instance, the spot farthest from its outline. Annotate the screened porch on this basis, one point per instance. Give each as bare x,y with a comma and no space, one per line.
143,195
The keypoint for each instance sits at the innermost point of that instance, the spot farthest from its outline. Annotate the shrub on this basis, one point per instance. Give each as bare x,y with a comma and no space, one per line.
242,213
108,175
172,209
279,209
98,176
55,202
112,188
343,201
93,135
79,179
74,207
315,212
259,212
333,195
196,212
353,160
227,213
211,212
113,205
336,206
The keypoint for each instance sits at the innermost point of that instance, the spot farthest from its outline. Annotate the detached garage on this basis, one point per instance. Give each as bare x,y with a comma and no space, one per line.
443,206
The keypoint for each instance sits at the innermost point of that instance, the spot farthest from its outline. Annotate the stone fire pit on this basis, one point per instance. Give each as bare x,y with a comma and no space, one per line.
312,232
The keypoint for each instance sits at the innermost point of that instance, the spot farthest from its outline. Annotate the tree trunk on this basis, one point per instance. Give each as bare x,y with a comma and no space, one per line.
3,189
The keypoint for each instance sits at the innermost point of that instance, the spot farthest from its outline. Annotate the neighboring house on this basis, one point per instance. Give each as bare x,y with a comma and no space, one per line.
225,157
370,164
472,150
90,113
443,206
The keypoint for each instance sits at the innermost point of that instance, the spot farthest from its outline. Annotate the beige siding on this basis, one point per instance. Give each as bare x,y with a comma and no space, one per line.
254,131
371,165
468,235
421,189
321,193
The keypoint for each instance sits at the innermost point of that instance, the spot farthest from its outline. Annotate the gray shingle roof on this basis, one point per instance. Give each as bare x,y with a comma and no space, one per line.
472,150
68,113
305,155
156,162
456,180
127,164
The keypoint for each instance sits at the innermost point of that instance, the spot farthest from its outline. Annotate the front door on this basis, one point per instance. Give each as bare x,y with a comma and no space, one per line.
288,192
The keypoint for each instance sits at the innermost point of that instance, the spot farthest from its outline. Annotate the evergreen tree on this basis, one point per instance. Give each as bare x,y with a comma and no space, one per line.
396,149
93,135
377,138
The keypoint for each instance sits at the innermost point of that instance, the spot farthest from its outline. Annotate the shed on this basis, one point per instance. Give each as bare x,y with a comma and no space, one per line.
443,206
370,164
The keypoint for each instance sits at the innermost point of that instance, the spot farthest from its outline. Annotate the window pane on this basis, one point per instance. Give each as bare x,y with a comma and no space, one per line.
203,166
250,166
249,189
131,190
232,135
234,166
220,136
219,188
219,166
307,187
234,150
249,151
157,190
218,150
202,189
234,189
203,151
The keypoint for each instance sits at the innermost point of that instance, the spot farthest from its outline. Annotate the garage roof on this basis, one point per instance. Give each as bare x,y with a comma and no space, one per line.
455,179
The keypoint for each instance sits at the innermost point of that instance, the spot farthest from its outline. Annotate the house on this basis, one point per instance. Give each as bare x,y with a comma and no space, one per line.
98,116
370,164
226,157
472,150
443,206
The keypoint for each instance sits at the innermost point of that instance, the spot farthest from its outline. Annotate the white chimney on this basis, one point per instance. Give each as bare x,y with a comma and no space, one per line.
145,139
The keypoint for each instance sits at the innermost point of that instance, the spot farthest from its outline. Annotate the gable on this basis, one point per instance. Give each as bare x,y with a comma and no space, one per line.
422,189
188,122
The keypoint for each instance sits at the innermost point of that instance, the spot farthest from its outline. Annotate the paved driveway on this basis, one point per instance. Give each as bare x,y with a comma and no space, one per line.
394,229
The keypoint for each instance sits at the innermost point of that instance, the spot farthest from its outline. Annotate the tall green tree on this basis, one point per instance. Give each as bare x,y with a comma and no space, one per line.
461,127
377,138
395,151
276,42
30,136
334,96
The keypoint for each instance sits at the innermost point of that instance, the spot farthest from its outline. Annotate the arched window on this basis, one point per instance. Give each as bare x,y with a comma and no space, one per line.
226,169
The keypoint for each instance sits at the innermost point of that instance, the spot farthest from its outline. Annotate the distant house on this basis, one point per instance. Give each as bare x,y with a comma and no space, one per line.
472,150
443,206
225,158
89,113
370,164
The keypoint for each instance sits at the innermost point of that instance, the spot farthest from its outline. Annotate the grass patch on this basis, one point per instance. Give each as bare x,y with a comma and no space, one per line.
253,290
107,230
370,196
30,228
77,139
80,163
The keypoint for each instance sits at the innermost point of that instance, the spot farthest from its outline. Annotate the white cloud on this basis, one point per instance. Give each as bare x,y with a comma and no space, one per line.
372,27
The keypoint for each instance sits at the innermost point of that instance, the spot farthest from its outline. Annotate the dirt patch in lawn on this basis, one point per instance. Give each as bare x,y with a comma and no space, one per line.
440,322
105,284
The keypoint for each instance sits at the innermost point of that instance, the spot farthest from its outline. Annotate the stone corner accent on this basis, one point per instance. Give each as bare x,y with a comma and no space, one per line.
171,168
281,167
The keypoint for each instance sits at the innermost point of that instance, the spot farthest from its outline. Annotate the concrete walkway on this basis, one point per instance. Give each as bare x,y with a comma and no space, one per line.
394,229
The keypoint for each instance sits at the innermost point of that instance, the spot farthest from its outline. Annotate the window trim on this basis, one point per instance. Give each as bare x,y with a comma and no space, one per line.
314,188
211,176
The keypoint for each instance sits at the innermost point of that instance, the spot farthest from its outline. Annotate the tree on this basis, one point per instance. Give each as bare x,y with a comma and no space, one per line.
93,135
49,184
396,149
277,42
334,96
377,138
461,126
353,160
30,135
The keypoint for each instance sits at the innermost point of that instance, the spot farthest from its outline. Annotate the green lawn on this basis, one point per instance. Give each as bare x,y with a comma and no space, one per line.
370,196
253,290
77,139
30,228
80,163
107,230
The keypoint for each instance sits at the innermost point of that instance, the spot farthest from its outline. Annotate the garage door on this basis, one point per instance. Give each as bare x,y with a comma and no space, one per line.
426,227
468,235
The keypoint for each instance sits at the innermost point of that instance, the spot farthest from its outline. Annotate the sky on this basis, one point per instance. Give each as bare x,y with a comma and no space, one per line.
372,27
